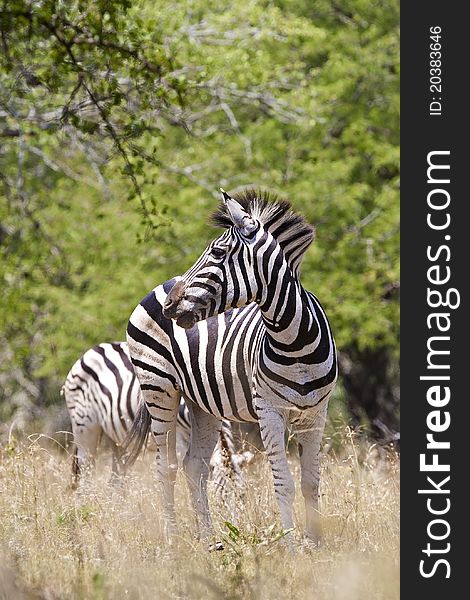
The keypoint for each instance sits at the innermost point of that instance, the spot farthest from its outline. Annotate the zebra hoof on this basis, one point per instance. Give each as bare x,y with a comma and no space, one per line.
216,546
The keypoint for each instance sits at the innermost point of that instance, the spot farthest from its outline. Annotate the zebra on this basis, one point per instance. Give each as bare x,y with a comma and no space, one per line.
102,394
242,340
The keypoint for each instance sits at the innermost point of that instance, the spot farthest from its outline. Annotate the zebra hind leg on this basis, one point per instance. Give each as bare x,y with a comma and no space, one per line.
118,467
204,434
75,469
83,460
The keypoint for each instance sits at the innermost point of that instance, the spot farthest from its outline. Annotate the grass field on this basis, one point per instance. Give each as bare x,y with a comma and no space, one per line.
100,544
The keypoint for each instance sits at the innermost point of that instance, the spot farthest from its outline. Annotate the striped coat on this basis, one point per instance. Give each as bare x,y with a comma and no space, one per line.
102,394
241,338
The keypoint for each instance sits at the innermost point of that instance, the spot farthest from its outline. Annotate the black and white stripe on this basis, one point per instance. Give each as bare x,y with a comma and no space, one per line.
241,338
102,394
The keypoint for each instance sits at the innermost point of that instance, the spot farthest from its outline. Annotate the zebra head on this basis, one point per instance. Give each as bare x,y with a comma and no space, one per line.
231,272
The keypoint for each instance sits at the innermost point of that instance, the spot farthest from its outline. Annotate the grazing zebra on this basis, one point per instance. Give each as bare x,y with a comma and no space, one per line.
102,394
241,338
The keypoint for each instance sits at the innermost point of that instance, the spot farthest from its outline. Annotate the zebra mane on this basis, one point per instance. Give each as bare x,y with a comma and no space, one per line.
290,229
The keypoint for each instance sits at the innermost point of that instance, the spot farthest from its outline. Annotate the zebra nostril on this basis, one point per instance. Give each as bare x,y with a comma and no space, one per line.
168,302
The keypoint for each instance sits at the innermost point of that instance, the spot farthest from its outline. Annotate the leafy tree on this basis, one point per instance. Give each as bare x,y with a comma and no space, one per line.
121,122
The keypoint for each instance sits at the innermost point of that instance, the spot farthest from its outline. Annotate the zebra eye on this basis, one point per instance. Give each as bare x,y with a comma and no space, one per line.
217,252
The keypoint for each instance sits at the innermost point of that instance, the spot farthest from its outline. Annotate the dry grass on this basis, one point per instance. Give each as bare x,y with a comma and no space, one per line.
100,544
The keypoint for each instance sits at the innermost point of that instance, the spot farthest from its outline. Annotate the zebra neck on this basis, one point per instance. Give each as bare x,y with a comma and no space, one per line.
289,314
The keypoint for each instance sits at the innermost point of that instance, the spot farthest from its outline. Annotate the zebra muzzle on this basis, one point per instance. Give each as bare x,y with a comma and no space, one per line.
172,301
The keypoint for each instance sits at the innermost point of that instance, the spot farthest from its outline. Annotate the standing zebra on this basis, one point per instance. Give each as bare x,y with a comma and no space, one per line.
102,395
246,342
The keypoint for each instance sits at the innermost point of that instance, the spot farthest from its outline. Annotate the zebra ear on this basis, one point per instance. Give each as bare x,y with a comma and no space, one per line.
240,218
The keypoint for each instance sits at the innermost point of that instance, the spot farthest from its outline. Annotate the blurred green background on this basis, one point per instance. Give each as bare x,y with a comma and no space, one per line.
120,120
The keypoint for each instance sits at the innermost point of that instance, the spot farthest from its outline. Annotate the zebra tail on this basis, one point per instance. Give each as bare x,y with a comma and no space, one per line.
137,436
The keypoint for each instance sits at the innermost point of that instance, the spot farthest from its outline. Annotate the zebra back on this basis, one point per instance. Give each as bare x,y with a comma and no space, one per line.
101,391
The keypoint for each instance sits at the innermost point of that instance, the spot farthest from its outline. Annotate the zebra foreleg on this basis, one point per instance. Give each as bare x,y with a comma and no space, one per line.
163,429
309,436
272,427
204,433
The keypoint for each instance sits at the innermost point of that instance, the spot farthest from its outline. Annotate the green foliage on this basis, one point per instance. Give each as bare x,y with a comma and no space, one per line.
119,121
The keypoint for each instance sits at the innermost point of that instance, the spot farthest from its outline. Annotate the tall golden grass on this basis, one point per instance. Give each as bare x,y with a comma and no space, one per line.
102,543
